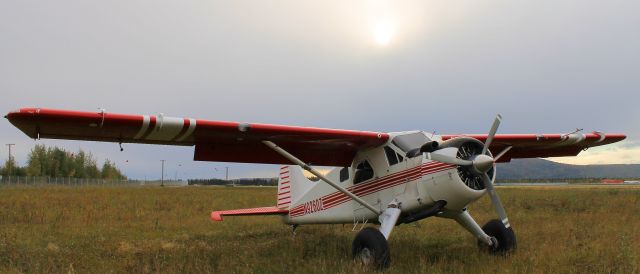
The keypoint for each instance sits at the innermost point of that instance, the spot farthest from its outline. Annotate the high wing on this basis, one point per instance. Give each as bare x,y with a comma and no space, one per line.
214,140
544,145
242,142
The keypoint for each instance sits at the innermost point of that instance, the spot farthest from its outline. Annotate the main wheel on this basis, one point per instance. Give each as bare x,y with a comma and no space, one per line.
371,248
504,237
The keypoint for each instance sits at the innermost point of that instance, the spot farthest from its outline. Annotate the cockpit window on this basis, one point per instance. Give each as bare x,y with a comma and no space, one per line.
363,172
391,155
344,174
410,141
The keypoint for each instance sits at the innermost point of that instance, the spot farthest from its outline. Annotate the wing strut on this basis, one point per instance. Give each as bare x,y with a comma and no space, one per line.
297,161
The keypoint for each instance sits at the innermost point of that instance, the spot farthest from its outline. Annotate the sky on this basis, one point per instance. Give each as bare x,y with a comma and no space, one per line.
443,66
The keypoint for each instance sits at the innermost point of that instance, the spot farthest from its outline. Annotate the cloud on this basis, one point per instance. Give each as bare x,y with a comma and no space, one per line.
619,153
629,144
546,67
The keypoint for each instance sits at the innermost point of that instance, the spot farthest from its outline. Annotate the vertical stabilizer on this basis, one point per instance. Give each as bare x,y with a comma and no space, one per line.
292,184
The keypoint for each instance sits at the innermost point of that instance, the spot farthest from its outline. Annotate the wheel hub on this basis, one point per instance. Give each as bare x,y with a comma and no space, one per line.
365,256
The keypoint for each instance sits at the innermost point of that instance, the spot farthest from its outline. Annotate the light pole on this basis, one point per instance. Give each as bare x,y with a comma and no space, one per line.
10,163
226,174
176,173
162,176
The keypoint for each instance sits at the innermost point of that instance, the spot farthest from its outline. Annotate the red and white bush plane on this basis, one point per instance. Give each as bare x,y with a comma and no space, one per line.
386,178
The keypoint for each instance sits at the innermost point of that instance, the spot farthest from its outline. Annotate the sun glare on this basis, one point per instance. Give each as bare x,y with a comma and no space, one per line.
383,33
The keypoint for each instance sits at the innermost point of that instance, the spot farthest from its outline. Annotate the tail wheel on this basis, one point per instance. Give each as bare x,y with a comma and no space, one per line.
504,238
371,248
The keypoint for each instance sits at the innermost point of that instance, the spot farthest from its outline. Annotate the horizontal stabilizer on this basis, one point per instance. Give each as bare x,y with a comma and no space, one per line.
270,210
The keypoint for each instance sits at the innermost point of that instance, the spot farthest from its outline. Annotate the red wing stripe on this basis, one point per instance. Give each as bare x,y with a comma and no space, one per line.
286,182
185,127
283,167
288,197
284,172
152,126
285,177
143,128
283,193
285,187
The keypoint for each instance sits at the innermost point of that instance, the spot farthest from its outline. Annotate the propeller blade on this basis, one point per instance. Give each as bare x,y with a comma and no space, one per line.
502,153
492,133
448,159
495,200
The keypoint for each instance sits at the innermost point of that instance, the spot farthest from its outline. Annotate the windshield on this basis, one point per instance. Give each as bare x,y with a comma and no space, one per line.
410,141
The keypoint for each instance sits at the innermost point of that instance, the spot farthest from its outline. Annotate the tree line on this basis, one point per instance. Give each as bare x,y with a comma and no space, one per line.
45,161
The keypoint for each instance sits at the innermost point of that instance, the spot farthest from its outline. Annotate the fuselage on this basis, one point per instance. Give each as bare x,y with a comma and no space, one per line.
380,175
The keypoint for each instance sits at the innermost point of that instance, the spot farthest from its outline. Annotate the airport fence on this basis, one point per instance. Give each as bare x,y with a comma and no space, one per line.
6,181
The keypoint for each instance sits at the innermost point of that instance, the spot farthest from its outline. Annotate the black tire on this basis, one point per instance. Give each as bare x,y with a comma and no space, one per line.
371,248
505,237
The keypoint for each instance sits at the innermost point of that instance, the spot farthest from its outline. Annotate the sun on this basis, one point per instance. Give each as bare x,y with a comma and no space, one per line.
383,33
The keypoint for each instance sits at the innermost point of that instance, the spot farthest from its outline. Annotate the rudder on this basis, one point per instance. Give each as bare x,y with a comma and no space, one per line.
284,188
292,184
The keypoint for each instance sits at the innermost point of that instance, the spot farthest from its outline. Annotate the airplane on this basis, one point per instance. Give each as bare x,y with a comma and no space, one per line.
386,178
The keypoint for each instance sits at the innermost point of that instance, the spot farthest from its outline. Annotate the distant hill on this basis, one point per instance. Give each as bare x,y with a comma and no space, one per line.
545,169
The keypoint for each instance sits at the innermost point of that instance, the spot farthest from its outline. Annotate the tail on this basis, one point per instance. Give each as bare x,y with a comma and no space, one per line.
292,184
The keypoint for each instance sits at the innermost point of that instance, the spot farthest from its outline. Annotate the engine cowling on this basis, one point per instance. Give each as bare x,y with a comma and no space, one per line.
464,185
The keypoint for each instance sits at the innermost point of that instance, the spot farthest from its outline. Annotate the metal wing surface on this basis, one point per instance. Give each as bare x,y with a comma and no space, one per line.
544,145
213,140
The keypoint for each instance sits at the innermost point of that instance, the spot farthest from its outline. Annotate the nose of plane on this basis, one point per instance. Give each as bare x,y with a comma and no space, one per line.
482,163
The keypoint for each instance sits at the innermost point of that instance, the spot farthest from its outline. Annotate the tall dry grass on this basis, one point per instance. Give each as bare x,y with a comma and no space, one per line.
167,230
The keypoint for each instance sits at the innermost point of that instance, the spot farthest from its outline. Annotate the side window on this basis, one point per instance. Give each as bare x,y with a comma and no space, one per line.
344,174
391,156
363,172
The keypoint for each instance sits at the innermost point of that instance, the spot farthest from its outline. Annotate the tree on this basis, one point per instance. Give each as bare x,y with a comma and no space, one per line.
11,169
109,171
57,162
36,161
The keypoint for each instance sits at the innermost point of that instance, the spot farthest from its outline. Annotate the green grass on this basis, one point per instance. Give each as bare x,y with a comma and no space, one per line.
168,230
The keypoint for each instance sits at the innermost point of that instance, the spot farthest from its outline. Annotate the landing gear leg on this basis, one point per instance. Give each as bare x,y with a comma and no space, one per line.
370,246
466,221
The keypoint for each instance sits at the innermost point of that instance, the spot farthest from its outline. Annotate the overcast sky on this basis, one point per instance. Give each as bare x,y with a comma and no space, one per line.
449,66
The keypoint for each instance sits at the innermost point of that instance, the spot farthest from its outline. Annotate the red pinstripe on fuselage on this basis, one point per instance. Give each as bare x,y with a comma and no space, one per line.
337,198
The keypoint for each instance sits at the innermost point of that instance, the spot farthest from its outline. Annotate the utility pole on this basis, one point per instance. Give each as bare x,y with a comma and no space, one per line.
10,163
176,175
226,176
162,176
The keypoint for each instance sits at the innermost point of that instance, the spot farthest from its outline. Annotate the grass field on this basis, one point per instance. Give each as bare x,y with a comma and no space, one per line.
168,230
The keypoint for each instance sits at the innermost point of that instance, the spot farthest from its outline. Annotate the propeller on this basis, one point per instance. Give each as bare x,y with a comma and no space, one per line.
479,165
